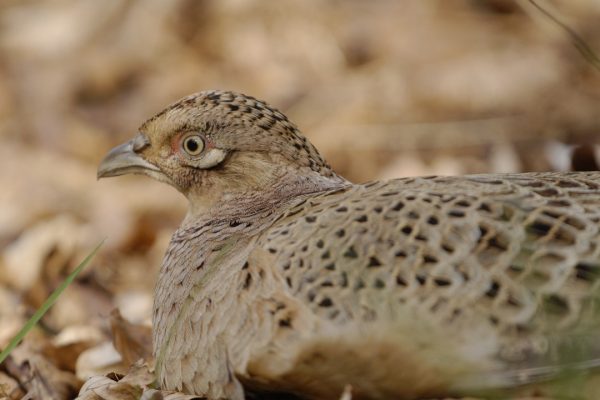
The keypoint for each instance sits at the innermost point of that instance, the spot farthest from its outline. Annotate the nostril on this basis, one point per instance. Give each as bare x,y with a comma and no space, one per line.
140,142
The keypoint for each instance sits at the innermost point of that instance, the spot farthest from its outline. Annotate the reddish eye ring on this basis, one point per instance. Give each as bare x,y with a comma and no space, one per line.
193,145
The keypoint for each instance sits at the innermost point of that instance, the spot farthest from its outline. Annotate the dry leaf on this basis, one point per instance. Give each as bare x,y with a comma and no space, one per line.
132,341
137,382
9,387
49,244
41,378
67,346
98,360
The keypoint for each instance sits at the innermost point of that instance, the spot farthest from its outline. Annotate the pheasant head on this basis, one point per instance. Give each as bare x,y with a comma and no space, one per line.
215,145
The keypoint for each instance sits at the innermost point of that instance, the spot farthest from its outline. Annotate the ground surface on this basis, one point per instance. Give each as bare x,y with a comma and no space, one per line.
383,88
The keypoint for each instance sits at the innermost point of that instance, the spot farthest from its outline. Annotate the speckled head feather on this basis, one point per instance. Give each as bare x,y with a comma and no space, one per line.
238,122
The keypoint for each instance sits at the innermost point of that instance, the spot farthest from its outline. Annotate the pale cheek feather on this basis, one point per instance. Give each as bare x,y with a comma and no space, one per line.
211,158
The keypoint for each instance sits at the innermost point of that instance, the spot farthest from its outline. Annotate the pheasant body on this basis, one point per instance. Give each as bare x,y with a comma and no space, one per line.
284,276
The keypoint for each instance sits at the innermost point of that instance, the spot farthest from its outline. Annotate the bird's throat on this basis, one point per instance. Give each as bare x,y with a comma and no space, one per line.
219,200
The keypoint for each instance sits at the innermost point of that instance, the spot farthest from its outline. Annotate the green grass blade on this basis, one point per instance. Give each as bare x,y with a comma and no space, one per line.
47,304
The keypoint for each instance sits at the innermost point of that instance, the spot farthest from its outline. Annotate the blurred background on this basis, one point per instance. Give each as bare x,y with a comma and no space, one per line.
382,88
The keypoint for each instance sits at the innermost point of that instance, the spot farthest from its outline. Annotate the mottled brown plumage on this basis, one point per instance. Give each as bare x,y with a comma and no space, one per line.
285,276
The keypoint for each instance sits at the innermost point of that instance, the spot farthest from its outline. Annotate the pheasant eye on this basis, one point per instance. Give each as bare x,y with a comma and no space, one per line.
193,145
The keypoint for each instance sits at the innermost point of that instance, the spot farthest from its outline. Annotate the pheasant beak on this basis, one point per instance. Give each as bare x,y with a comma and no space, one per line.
125,159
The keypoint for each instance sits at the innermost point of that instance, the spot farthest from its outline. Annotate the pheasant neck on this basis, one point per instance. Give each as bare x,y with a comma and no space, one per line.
232,204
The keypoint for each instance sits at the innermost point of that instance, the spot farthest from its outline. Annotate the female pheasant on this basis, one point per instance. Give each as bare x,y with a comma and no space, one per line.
285,276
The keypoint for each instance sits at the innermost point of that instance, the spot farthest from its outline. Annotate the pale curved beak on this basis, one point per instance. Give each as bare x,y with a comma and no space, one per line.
124,159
